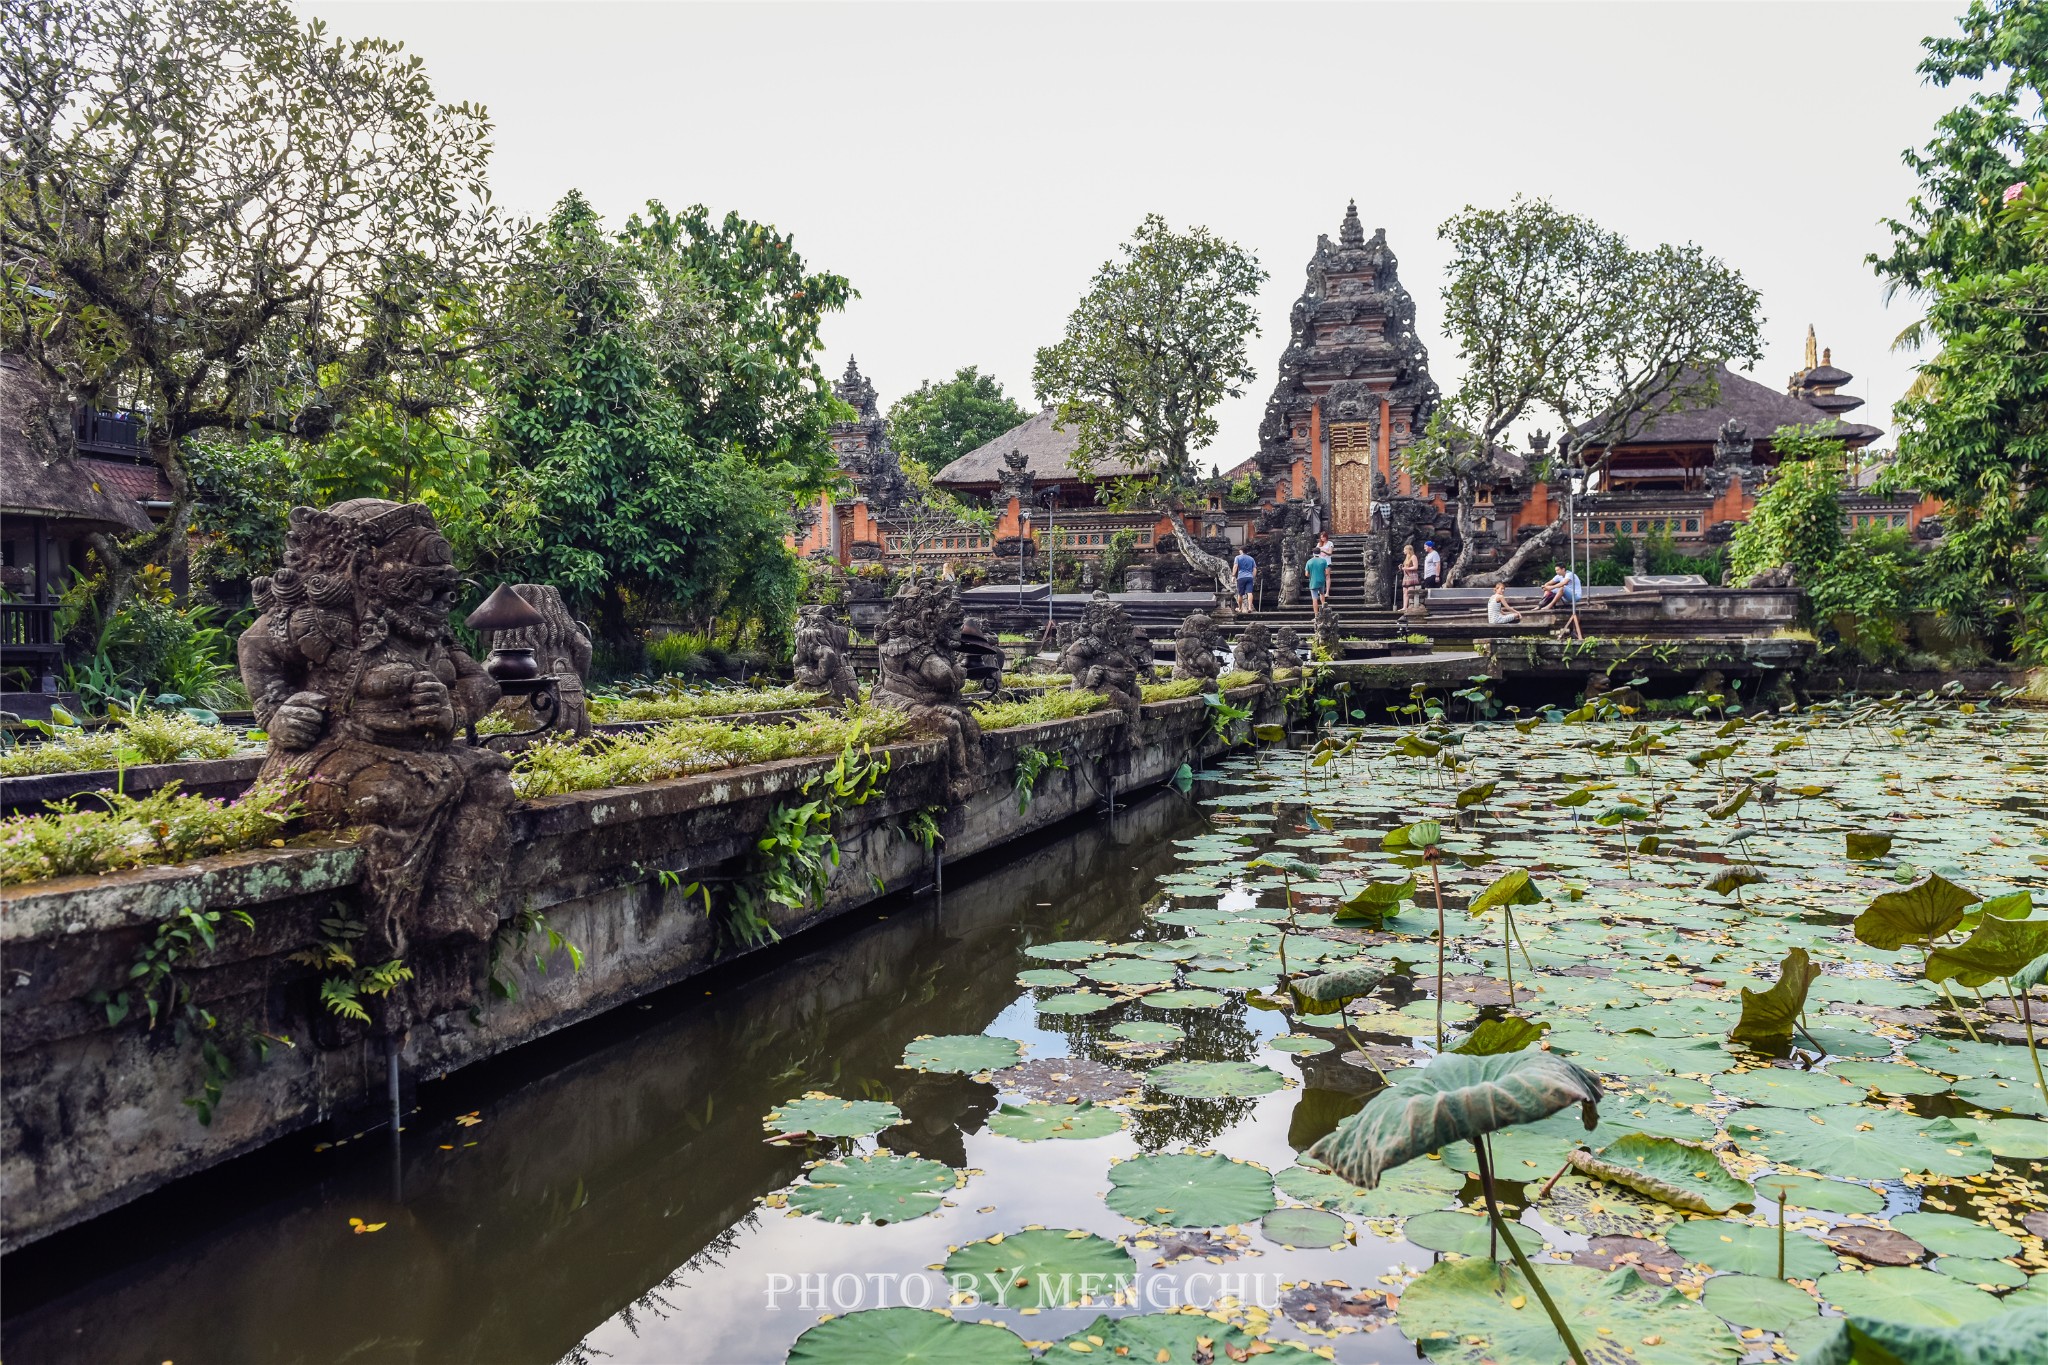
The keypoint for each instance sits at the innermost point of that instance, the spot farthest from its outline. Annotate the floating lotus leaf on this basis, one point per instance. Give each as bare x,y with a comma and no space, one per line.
1944,1234
1995,948
1126,971
1919,913
1635,1055
1813,1192
1594,1208
1755,1301
1375,903
1907,1294
1891,1078
1858,1142
1067,950
1965,1060
2018,1097
1299,1042
1453,1099
1473,1312
1184,1000
2025,1139
1330,992
1848,1041
1680,1174
1305,1228
1076,1002
1164,1338
1183,1189
1981,1272
1040,1122
1466,1234
880,1188
1741,1248
2016,1337
823,1115
966,1053
1215,1080
1787,1088
1042,1268
1495,1037
898,1336
1148,1031
1768,1016
1047,976
1414,1188
1864,848
1226,980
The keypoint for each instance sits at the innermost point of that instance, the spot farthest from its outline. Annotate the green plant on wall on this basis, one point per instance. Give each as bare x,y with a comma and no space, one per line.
347,983
1031,764
511,941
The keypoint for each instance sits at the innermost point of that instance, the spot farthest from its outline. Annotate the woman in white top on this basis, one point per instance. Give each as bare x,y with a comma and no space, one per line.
1498,612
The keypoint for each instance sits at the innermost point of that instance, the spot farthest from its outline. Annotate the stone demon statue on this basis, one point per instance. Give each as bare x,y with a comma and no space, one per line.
1255,649
821,654
561,646
354,674
1106,655
1195,646
1287,647
917,644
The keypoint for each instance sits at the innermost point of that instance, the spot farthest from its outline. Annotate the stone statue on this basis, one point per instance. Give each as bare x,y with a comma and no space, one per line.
917,643
822,643
1141,648
1255,650
1195,646
562,648
1330,634
354,674
1105,654
1287,647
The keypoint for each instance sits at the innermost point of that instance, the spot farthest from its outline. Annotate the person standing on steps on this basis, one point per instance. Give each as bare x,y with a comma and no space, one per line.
1432,569
1411,578
1247,574
1317,571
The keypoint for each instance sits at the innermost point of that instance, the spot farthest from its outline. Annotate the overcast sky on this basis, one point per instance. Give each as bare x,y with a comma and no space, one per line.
968,166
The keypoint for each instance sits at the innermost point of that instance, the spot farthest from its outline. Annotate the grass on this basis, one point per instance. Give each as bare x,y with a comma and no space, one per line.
1237,677
691,705
1050,705
682,747
151,737
1172,691
131,831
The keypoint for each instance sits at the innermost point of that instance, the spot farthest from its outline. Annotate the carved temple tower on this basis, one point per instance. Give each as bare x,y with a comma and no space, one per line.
1354,387
847,529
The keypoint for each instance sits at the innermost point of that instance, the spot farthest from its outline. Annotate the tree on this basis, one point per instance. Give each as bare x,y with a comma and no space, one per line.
1555,316
221,217
1974,430
1154,345
935,424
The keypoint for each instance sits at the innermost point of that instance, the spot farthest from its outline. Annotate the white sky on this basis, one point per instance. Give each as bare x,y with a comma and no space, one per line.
968,166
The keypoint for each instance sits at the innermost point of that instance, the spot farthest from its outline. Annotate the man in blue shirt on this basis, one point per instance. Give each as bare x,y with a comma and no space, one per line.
1247,571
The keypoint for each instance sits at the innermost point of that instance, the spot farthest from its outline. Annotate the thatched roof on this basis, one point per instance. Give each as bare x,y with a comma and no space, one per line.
1046,446
1759,409
37,482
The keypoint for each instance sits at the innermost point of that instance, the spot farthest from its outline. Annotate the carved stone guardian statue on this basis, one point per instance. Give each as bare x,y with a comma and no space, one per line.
917,644
822,645
1195,646
1287,647
1107,655
1330,633
1255,650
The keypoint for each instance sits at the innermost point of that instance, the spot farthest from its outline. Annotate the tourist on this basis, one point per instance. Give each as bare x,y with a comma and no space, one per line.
1318,572
1247,571
1411,578
1564,589
1432,569
1498,612
1323,545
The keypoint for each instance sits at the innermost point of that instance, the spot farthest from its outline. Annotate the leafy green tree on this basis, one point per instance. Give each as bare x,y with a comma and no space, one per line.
935,424
1557,317
1159,339
1973,244
220,216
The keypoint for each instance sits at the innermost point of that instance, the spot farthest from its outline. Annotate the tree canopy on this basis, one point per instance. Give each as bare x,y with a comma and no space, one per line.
935,424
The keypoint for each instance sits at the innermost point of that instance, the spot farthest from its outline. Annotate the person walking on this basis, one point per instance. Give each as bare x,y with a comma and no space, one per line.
1318,572
1247,574
1411,578
1432,569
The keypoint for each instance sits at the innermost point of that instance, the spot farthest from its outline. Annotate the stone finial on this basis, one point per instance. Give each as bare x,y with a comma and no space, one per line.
1015,479
1351,232
856,392
822,646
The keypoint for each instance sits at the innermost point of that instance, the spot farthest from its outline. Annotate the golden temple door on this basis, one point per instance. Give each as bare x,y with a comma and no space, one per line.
1351,450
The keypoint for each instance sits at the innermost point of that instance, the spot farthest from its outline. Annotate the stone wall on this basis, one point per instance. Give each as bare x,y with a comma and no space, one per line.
92,1115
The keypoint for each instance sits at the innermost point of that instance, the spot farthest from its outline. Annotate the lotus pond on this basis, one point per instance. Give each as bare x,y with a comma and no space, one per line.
1090,1106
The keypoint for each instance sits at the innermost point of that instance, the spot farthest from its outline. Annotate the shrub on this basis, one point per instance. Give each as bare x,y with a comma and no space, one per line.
132,831
678,652
679,748
148,737
652,704
1048,705
1172,691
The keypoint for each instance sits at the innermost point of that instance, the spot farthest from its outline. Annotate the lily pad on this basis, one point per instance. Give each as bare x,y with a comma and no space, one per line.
1907,1294
1304,1228
1466,1234
1076,1002
1787,1088
964,1053
1165,1338
1983,1273
1754,1301
1184,1189
1042,1268
1889,1078
2022,1138
1857,1142
1299,1042
1067,950
1043,1122
1472,1312
1147,1031
1594,1208
1944,1234
879,1188
2016,1097
1680,1174
898,1336
1812,1192
1415,1188
1184,1000
1129,971
823,1115
1744,1249
1215,1080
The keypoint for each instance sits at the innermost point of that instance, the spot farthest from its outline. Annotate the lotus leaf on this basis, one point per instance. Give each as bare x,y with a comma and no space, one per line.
1964,1060
1907,1294
1848,1041
1184,1189
1864,848
1047,976
1730,880
1376,902
1995,948
1892,1078
1512,888
2024,1139
1984,1273
1754,1301
879,1188
823,1115
2017,1337
1414,1188
1215,1080
1475,794
1768,1017
1944,1234
1329,992
1858,1142
1919,913
1494,1037
1678,1173
1039,1122
1042,1268
1076,1002
1742,1248
1067,950
1466,1234
1453,1098
1472,1312
966,1053
1299,1043
1148,1031
1184,1000
2018,1097
1164,1338
1787,1088
901,1336
1305,1228
1815,1192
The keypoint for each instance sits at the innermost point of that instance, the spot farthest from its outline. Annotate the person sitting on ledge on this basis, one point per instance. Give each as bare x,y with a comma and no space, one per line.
1498,612
1564,590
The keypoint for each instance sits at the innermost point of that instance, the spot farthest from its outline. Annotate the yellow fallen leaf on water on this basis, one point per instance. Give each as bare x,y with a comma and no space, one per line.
1517,1301
358,1225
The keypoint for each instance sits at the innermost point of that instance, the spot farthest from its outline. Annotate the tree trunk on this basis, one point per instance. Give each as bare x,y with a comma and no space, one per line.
1196,556
1468,546
1537,544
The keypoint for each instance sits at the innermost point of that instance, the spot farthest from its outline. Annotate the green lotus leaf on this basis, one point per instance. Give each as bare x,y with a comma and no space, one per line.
1633,1055
1183,1189
1148,1031
1815,1192
966,1053
1741,1248
1330,992
879,1188
1848,1041
1682,1175
1944,1234
1729,880
1572,800
1473,1312
1167,1338
1856,1141
1907,1294
1414,1188
1126,971
1787,1088
1919,913
2031,975
1995,948
1215,1080
1734,804
1982,1272
1495,1037
1042,1122
898,1336
1076,1002
2019,1336
823,1115
2021,1138
1183,1000
1475,794
1965,1060
1067,950
1047,976
1988,1092
1454,1098
1466,1234
1042,1268
1891,1078
1305,1228
1512,888
1768,1016
1376,902
1421,834
1755,1301
1866,848
1300,1043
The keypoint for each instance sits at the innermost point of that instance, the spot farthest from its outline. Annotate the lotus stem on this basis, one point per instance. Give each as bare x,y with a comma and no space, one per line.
2025,1008
1781,1230
1507,949
1345,1024
1551,1183
1499,1228
1436,885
